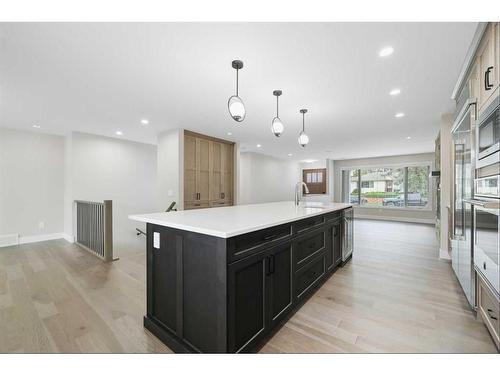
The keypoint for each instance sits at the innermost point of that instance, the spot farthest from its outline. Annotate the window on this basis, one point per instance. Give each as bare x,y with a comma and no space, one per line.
387,187
315,179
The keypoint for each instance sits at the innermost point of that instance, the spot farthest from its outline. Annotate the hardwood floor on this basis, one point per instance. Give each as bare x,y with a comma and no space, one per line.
394,296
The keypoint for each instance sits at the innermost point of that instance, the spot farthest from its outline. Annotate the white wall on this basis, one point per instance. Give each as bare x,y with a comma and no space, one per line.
170,168
31,183
126,172
264,178
403,214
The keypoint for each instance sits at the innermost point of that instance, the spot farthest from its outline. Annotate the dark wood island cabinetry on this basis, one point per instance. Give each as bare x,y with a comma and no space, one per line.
211,294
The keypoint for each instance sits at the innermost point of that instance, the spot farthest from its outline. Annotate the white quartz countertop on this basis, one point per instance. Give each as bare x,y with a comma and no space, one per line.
231,221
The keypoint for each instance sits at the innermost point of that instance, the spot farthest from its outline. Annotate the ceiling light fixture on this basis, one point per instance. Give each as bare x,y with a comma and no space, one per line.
36,126
118,132
290,154
394,92
259,145
235,104
303,138
386,51
277,126
399,115
408,137
144,121
229,133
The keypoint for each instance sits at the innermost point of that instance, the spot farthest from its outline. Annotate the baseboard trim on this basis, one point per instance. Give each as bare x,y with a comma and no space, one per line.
444,255
67,237
40,238
395,218
9,240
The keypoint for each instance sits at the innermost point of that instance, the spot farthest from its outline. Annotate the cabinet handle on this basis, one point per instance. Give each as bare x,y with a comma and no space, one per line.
271,237
197,196
487,85
491,316
222,195
271,264
484,265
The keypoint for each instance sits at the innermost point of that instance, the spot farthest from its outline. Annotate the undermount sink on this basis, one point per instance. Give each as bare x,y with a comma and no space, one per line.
313,205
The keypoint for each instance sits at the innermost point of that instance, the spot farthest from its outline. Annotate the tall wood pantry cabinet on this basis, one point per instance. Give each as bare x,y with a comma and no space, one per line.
208,171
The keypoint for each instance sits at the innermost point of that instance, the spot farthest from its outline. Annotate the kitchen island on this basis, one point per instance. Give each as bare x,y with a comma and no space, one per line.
220,280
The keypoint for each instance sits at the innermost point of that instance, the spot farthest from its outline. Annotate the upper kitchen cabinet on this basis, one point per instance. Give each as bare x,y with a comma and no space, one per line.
488,66
208,171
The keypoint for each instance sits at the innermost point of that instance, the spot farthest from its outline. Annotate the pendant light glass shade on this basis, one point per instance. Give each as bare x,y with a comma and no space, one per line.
236,108
235,104
277,126
303,137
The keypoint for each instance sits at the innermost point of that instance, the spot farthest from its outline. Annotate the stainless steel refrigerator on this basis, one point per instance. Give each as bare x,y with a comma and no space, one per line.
463,172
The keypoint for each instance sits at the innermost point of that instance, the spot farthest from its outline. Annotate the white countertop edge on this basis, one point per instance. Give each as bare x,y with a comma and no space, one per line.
143,218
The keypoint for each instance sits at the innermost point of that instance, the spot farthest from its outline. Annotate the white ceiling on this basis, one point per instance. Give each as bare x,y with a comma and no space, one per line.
100,77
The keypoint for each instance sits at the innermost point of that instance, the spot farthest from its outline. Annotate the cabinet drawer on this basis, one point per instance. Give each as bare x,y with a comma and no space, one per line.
488,268
488,307
333,216
196,204
222,203
309,245
241,246
307,224
309,276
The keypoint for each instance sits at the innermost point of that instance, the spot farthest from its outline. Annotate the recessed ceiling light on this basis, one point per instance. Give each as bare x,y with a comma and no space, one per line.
408,137
395,92
36,126
399,114
144,121
118,132
386,51
259,145
229,133
309,160
290,154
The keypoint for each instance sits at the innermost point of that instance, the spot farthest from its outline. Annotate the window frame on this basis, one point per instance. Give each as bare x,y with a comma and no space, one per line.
404,166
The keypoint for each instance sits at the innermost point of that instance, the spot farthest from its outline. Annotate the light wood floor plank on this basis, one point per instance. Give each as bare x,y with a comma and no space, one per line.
395,296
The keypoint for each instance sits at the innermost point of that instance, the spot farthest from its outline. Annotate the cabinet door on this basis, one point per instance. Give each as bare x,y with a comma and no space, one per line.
203,169
247,295
337,243
190,192
162,273
280,282
488,69
334,248
215,171
227,171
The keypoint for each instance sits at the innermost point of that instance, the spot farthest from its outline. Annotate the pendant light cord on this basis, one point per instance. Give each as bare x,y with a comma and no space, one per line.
303,122
277,107
237,82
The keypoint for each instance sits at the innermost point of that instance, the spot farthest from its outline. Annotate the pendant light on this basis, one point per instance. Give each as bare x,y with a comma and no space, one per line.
303,138
277,126
235,104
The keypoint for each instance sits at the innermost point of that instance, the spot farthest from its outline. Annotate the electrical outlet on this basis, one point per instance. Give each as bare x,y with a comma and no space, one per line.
41,225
